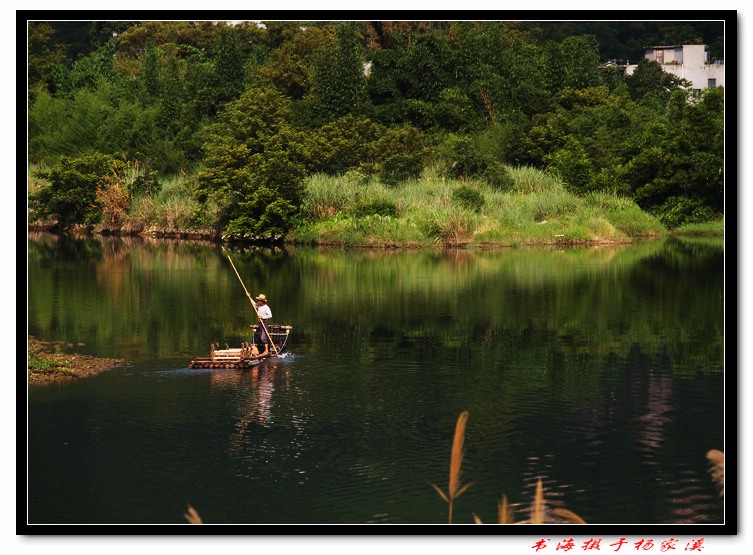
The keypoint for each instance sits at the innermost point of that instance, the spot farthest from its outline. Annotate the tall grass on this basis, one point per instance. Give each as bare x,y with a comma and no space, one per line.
536,209
530,180
172,209
452,226
325,196
701,229
624,214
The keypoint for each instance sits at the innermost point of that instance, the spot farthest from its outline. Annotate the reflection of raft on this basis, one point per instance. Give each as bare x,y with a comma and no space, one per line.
243,357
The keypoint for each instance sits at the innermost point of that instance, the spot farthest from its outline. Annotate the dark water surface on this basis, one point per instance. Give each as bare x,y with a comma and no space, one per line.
598,370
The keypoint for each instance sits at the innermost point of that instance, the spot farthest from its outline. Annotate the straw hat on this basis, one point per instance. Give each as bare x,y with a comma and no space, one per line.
261,297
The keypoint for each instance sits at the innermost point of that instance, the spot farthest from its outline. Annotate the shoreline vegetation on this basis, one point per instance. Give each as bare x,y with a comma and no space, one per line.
355,210
46,363
385,134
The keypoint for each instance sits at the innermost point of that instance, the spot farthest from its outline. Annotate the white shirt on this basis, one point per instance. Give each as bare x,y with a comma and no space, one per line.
263,310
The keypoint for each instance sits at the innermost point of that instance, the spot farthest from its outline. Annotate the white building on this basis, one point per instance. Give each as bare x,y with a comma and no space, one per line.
688,61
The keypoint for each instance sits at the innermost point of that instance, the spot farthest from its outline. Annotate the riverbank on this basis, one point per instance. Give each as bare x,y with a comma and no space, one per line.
46,363
434,210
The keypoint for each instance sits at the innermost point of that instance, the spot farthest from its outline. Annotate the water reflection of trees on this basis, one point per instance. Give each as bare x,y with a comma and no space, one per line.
156,298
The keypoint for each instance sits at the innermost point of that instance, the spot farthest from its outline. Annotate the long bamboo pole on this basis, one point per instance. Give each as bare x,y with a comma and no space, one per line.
274,348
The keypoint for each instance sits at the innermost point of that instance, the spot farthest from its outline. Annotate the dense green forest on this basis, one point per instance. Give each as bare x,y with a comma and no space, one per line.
211,125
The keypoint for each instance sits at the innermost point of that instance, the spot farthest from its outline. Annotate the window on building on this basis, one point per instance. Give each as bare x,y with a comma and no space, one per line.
712,83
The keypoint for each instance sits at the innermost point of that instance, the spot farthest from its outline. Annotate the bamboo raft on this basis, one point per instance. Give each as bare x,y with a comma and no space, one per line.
243,358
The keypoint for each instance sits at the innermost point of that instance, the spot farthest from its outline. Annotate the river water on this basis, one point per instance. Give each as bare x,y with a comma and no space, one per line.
599,371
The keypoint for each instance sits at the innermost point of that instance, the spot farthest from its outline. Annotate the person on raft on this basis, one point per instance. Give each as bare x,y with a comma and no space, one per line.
265,315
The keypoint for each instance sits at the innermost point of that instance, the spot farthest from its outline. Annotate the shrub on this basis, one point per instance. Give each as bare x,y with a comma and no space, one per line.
403,140
264,216
340,145
465,160
498,177
573,165
71,197
401,167
378,207
677,211
468,198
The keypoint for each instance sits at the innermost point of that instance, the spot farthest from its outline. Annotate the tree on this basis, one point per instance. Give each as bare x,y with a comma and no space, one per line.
290,67
87,72
149,77
341,145
253,152
574,63
573,165
44,58
426,68
649,79
338,80
228,65
70,197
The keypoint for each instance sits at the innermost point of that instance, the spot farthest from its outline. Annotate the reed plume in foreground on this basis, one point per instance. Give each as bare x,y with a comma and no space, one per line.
538,512
504,513
192,516
716,458
454,489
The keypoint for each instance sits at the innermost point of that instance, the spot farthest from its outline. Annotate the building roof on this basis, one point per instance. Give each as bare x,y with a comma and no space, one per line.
672,46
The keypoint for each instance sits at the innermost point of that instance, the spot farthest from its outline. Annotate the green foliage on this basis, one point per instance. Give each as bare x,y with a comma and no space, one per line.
426,68
574,62
325,196
87,72
228,64
469,198
497,176
681,210
126,181
173,208
377,207
338,81
290,67
399,168
649,78
150,73
455,111
253,171
45,59
519,84
341,145
250,145
405,140
263,216
452,227
267,107
572,164
715,227
44,365
529,180
464,159
70,197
